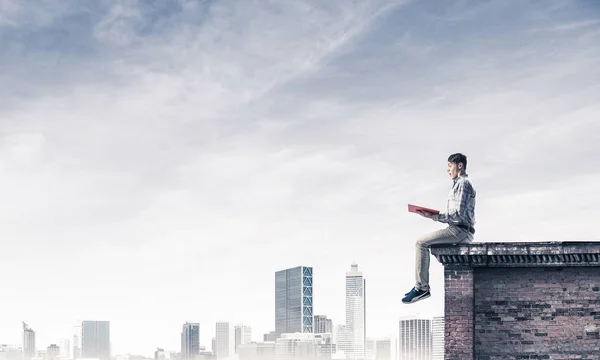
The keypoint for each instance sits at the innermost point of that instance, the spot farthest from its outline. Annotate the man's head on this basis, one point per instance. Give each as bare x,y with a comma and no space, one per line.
457,165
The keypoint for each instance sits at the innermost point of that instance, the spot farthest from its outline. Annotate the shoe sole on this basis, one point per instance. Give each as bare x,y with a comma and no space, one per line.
414,300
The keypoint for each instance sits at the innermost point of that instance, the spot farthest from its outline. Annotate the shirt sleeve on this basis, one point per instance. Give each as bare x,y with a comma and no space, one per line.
462,195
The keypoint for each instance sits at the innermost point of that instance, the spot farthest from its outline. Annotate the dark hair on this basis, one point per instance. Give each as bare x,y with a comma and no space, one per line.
458,158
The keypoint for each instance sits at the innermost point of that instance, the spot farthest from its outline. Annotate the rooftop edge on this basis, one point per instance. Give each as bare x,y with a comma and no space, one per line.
519,254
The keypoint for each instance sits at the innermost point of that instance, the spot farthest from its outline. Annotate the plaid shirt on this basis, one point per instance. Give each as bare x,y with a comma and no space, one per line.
461,204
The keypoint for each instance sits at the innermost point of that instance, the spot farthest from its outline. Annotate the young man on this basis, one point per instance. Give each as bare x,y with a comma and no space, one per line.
460,217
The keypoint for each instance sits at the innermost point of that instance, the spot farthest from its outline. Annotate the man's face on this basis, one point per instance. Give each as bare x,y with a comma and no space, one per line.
454,170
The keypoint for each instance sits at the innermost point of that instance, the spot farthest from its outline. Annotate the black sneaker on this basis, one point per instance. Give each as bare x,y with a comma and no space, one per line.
415,295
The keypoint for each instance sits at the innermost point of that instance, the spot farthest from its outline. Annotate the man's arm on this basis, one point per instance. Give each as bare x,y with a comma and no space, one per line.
454,216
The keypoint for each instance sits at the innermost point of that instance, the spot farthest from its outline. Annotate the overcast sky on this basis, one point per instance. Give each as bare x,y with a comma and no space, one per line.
160,160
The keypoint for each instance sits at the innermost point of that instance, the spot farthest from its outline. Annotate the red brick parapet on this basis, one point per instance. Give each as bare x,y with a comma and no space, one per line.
521,300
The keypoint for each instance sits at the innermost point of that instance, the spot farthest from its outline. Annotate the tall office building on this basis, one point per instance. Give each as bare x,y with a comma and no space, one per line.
95,339
223,340
243,335
437,338
355,314
294,300
323,324
383,349
52,352
28,342
414,340
190,341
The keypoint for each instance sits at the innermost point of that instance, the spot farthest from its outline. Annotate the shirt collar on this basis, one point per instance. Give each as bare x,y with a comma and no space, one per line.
461,176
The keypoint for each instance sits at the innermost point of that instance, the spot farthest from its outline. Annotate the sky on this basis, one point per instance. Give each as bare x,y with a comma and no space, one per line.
160,160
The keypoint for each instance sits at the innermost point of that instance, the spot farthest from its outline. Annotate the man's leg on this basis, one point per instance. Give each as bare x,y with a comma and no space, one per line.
450,235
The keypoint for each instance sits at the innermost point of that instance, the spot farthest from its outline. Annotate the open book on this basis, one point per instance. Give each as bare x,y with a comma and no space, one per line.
416,208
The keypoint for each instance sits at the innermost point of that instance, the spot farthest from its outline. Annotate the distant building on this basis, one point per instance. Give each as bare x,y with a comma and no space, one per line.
257,351
52,352
414,340
95,339
41,355
11,352
353,338
76,346
160,354
270,336
243,335
65,348
223,340
304,346
383,349
437,338
294,300
323,324
28,342
190,341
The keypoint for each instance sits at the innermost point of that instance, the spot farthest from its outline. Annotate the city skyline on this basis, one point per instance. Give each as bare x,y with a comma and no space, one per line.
160,160
92,337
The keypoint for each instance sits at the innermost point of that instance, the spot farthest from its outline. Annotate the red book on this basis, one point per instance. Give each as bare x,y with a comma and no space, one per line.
415,208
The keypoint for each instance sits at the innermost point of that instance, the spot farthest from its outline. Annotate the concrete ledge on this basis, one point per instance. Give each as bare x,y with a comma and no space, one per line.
519,254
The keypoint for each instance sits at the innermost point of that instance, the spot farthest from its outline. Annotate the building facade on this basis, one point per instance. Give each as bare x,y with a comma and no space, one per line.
322,324
95,339
190,341
243,335
223,340
383,349
437,338
354,340
28,342
52,352
294,300
414,340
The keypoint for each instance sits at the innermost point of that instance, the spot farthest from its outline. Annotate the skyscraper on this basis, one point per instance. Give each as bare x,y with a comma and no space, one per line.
28,342
190,341
437,338
222,340
95,339
294,300
414,339
243,335
355,314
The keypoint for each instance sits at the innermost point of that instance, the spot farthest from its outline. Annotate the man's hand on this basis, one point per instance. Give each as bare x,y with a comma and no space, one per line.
424,213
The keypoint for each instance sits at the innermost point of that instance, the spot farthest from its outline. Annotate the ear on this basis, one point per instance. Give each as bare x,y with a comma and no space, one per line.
460,166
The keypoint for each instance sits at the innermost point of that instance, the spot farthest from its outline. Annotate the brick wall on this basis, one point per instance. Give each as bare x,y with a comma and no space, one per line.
537,313
521,300
458,305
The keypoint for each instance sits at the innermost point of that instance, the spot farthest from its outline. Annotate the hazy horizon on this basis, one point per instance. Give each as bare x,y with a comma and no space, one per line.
160,161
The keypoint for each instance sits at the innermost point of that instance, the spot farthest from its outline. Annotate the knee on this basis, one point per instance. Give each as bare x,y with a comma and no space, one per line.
421,243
